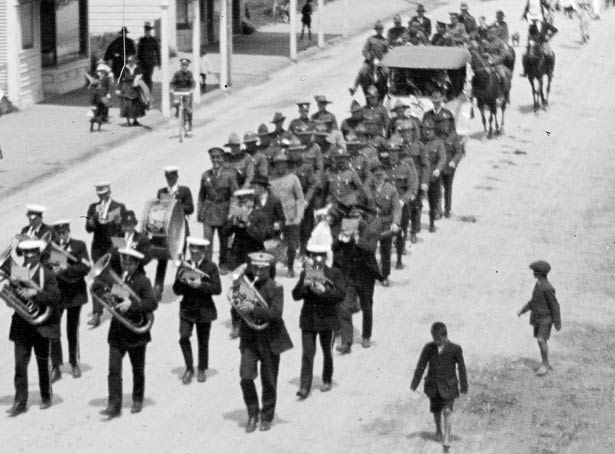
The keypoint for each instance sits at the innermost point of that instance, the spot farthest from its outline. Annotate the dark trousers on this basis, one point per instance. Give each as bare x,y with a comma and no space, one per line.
416,207
386,244
306,227
202,337
291,237
147,76
447,186
400,237
114,379
72,334
23,350
308,342
97,253
161,271
365,293
270,365
208,234
434,194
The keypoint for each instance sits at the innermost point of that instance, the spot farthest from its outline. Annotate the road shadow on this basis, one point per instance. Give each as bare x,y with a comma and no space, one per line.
126,401
67,368
240,416
34,398
526,109
179,372
429,436
526,363
572,47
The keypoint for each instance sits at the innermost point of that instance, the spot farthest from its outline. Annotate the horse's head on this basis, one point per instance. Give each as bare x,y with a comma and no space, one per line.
534,49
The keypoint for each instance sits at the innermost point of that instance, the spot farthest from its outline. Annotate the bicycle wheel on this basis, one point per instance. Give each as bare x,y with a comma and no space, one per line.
182,124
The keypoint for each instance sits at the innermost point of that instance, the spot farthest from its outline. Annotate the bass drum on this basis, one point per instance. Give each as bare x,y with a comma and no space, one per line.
165,226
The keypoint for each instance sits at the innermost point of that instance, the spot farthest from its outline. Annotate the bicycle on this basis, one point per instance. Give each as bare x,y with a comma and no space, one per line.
180,100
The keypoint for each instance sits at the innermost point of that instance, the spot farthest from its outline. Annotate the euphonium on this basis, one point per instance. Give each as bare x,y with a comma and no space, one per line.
105,278
25,308
242,289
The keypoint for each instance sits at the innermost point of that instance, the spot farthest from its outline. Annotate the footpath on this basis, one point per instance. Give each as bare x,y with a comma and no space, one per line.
49,137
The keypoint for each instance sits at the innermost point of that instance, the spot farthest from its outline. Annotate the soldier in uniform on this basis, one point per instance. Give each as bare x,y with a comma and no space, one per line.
197,307
501,30
312,154
396,33
183,81
264,346
321,132
377,45
303,119
415,35
70,276
401,116
437,162
421,21
261,164
278,132
375,115
123,340
323,115
441,37
319,315
438,112
496,52
457,31
360,161
148,54
356,117
454,148
388,212
218,185
237,159
265,144
467,20
103,219
28,337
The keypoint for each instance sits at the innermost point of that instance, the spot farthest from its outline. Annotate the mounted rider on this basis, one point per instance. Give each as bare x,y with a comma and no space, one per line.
495,51
540,29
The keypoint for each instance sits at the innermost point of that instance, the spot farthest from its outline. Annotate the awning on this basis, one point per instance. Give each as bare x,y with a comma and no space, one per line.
426,57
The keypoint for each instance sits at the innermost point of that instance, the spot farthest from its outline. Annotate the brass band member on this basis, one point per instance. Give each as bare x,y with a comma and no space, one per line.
41,288
181,193
36,228
321,288
70,269
132,239
103,220
196,281
264,346
122,340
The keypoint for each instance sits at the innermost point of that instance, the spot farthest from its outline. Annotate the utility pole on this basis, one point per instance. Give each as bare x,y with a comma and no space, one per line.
196,50
164,57
321,35
293,29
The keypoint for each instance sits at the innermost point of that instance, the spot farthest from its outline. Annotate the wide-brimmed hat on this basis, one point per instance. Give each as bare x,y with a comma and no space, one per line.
233,139
148,26
129,218
355,106
261,180
123,30
420,8
263,130
372,91
278,117
463,5
250,137
216,151
322,99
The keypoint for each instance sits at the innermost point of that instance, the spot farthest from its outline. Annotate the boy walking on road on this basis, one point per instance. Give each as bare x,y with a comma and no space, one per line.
544,312
441,385
306,19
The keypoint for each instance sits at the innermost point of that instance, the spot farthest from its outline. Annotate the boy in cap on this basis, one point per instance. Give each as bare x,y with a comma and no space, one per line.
445,361
70,274
322,289
544,312
264,346
135,305
306,19
197,280
42,289
148,54
36,228
182,85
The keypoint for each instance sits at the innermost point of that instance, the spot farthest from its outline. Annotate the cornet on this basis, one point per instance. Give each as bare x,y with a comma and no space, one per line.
315,277
188,273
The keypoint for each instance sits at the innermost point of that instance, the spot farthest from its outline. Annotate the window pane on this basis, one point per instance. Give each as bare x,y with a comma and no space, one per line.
68,43
26,17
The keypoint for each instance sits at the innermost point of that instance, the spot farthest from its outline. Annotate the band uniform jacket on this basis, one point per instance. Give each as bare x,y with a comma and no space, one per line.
543,307
357,261
215,196
320,312
275,335
388,208
442,373
197,304
454,152
120,336
184,195
436,155
139,242
71,281
247,238
273,212
21,330
403,175
424,23
37,233
103,232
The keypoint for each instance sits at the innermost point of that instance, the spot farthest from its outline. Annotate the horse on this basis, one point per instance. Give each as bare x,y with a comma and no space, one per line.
489,91
538,64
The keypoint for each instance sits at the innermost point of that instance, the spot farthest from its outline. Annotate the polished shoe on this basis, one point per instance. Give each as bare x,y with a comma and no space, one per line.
399,265
137,406
111,412
386,283
76,371
302,393
344,349
265,426
94,321
251,424
16,409
55,375
45,404
413,238
366,343
187,377
325,387
432,228
447,214
201,376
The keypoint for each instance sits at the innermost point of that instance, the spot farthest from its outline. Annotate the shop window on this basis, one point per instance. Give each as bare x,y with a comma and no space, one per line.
26,19
184,14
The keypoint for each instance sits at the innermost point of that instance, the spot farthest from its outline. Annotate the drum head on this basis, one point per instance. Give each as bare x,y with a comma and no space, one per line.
175,229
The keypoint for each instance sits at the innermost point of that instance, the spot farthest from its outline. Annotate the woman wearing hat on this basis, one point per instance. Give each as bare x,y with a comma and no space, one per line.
131,106
28,337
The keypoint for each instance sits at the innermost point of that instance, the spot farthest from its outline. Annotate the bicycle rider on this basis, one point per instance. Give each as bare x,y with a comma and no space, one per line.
183,82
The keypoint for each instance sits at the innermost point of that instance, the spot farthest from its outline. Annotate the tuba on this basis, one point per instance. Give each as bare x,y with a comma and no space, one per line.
242,289
108,282
188,273
25,308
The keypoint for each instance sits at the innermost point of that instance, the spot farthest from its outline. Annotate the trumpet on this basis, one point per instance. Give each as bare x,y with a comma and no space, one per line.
315,276
242,290
188,272
107,279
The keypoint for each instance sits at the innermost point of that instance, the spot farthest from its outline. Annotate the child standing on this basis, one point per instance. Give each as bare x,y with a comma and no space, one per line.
306,19
544,312
445,359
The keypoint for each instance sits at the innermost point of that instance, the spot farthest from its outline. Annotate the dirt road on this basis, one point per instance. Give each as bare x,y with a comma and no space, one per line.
544,190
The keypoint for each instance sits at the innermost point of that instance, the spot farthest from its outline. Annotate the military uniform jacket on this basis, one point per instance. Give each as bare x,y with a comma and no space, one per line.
215,196
320,312
343,186
543,307
300,121
436,155
388,208
442,373
22,331
458,33
197,304
121,337
244,167
437,116
327,118
148,52
183,80
375,47
417,155
104,232
394,34
313,155
288,189
454,152
275,335
404,177
424,23
308,179
261,163
71,281
376,120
